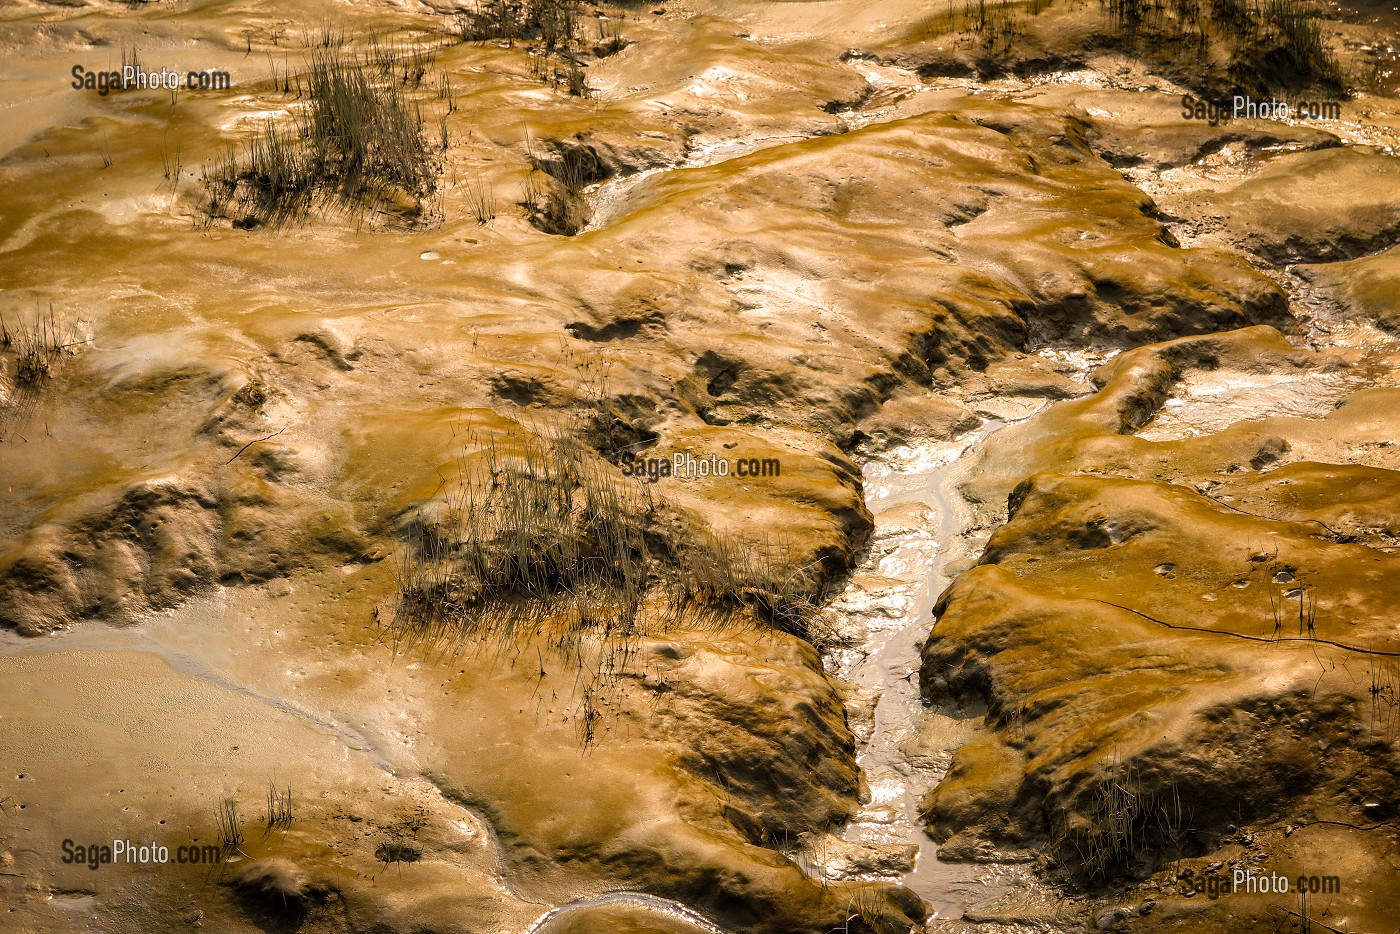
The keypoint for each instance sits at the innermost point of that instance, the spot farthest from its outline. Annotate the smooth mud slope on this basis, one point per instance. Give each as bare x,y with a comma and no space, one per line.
493,467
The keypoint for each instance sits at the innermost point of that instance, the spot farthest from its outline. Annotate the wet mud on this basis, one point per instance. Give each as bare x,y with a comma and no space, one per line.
785,467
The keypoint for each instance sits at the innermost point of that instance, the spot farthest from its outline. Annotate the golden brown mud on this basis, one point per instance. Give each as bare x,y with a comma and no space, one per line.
785,253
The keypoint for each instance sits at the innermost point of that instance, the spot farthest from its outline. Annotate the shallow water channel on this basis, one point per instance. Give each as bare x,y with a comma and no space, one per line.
926,533
917,547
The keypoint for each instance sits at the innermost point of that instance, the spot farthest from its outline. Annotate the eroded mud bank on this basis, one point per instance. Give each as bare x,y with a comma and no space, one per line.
773,234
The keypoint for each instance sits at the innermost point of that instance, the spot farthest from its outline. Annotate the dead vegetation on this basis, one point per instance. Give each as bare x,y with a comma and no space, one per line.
357,139
1283,588
523,527
482,201
1268,43
553,29
281,812
552,193
1125,821
37,343
230,824
1218,47
543,537
1383,692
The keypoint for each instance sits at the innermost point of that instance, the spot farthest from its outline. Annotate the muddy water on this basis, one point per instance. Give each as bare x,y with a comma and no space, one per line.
1384,51
925,534
886,611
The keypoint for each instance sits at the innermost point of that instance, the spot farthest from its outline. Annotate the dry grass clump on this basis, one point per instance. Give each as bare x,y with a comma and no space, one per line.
482,201
1125,822
552,193
553,28
719,576
1383,692
552,22
995,25
360,141
281,812
1218,46
551,205
547,530
231,836
1268,43
37,344
524,530
610,40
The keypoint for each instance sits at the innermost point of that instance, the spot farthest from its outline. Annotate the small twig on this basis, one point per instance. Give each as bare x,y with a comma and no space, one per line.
1311,920
253,442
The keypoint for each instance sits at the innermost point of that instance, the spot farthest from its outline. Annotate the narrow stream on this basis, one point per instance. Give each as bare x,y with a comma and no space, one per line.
886,610
925,534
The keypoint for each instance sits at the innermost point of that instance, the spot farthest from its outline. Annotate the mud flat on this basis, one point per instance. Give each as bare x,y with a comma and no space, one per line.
779,468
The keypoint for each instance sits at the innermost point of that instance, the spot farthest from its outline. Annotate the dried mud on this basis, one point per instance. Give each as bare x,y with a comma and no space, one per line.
1074,581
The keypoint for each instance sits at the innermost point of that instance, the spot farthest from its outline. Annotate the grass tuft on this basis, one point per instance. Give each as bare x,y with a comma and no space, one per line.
482,201
230,829
38,344
281,813
546,529
359,142
553,27
523,531
1268,43
1221,47
551,195
1125,822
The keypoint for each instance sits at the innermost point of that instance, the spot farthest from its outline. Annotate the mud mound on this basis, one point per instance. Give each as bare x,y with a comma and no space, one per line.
161,542
1335,204
1160,732
1367,287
